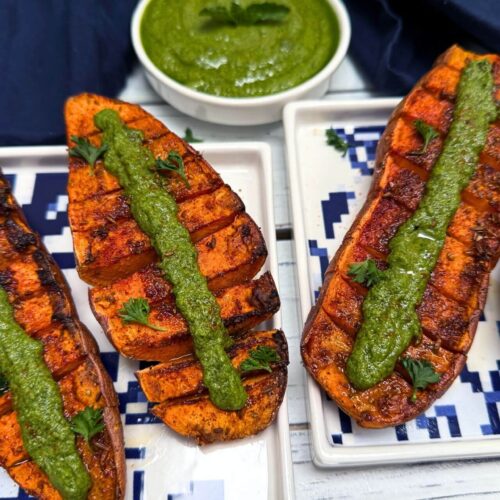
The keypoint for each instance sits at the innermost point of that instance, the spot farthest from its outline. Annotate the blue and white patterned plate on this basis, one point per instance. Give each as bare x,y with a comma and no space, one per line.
327,191
160,464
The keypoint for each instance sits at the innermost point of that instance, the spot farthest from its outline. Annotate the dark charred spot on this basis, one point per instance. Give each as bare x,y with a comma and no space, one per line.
100,233
211,243
263,296
21,240
165,310
7,281
122,208
136,247
5,207
45,274
64,319
246,231
89,257
156,290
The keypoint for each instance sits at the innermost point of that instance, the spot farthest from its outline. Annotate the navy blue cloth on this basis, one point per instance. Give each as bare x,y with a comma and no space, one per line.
394,42
51,49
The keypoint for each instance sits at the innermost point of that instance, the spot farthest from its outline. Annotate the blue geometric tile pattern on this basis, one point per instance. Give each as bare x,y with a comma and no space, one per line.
201,490
47,214
470,409
333,209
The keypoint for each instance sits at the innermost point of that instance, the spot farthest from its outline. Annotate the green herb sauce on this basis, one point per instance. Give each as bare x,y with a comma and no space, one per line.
46,434
390,320
239,61
155,210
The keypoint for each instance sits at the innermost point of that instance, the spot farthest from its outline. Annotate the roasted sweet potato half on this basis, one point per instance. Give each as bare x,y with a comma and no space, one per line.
456,292
185,406
42,305
114,254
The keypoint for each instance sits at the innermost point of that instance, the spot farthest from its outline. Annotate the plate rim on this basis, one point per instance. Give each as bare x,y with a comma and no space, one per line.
263,150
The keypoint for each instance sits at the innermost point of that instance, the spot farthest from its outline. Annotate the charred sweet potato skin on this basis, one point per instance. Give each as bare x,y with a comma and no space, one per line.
41,302
456,292
115,256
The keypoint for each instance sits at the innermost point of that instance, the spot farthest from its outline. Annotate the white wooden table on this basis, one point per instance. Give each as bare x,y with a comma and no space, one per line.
470,479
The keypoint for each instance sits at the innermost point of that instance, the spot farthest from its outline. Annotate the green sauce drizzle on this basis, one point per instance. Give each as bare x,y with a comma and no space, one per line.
155,210
390,318
46,434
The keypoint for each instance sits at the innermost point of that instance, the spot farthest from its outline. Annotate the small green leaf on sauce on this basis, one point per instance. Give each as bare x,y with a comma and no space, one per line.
427,132
87,423
260,359
87,151
333,139
189,137
365,272
255,13
421,373
174,163
4,384
137,311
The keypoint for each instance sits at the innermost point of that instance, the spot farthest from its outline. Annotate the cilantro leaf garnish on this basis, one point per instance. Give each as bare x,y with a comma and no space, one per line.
4,384
87,423
333,139
260,359
87,151
427,132
421,373
189,137
365,272
174,163
137,311
255,13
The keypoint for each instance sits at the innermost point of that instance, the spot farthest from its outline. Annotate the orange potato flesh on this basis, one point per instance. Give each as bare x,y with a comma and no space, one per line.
40,300
113,254
201,215
456,292
420,105
200,420
33,481
403,185
443,81
242,307
408,144
184,377
492,149
483,190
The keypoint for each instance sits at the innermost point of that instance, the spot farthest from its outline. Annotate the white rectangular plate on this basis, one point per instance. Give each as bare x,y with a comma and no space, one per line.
327,191
161,464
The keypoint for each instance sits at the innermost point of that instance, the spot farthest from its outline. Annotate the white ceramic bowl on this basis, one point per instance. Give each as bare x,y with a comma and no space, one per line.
245,110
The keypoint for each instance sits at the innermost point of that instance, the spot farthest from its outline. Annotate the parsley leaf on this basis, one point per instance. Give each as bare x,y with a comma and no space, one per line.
137,311
333,139
189,137
427,132
88,423
255,13
421,373
365,272
174,163
87,151
4,384
260,359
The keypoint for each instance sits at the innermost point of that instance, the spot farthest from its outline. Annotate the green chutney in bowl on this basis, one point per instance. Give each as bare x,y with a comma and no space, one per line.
239,60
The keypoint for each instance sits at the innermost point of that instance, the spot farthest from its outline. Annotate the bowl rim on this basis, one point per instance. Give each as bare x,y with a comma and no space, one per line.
246,102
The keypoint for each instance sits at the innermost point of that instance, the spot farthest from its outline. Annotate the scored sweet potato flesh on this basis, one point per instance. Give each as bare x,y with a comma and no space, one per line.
41,302
178,387
456,293
114,254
